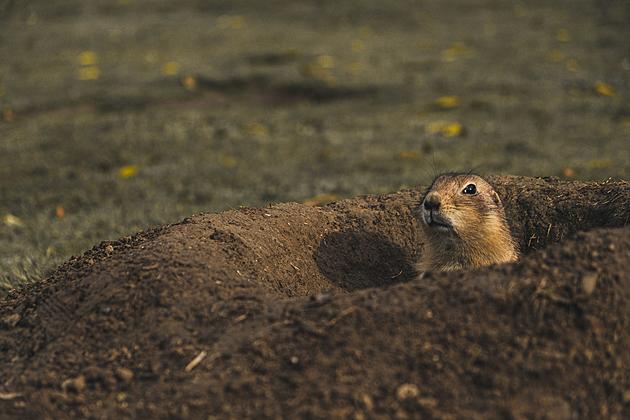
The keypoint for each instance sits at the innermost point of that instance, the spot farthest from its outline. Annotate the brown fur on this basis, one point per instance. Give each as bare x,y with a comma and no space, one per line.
478,235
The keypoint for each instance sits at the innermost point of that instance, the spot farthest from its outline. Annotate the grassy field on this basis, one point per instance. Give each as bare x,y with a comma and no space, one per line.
121,115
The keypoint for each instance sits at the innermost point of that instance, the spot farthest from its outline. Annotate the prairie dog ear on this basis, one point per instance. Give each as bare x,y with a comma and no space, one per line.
496,199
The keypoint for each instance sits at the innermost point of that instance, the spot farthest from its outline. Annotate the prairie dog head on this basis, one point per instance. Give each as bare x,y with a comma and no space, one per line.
464,225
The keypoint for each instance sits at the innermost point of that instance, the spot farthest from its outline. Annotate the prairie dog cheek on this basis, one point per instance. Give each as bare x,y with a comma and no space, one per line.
458,219
492,223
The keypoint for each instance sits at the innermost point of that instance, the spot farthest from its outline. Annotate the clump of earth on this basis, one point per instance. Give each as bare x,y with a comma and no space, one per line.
301,311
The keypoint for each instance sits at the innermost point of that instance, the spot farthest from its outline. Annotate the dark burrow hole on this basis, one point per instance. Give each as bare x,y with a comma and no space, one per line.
355,260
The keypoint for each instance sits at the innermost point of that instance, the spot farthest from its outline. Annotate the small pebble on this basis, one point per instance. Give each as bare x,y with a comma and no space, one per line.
124,374
406,391
367,401
74,385
589,281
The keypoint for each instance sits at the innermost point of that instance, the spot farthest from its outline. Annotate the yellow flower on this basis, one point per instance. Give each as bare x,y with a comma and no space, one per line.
447,102
128,171
445,128
452,130
604,89
170,69
87,58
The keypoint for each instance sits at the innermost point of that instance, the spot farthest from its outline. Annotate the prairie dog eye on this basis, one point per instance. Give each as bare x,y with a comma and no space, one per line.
470,189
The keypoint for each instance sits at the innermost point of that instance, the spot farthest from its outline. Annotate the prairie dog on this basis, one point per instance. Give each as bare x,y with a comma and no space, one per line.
464,225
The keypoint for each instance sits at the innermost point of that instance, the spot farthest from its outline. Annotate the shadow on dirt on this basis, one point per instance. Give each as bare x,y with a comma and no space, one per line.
359,260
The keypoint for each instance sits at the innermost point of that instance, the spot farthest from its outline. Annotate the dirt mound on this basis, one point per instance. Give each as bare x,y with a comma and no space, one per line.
303,311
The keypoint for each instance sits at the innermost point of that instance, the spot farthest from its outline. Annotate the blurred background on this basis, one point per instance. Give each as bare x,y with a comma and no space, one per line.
119,115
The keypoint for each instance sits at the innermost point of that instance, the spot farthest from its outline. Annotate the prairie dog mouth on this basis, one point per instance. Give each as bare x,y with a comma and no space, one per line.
436,221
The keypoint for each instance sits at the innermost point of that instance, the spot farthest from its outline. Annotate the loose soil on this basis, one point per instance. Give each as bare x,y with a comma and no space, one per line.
315,312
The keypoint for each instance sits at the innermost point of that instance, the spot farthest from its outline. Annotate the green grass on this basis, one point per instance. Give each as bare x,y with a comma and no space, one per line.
528,105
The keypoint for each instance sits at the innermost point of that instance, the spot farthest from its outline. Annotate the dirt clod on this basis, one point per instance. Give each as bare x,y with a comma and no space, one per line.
11,321
9,395
76,385
406,391
124,374
589,281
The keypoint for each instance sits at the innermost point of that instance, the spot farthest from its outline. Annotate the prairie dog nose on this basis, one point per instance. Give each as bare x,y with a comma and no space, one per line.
432,201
